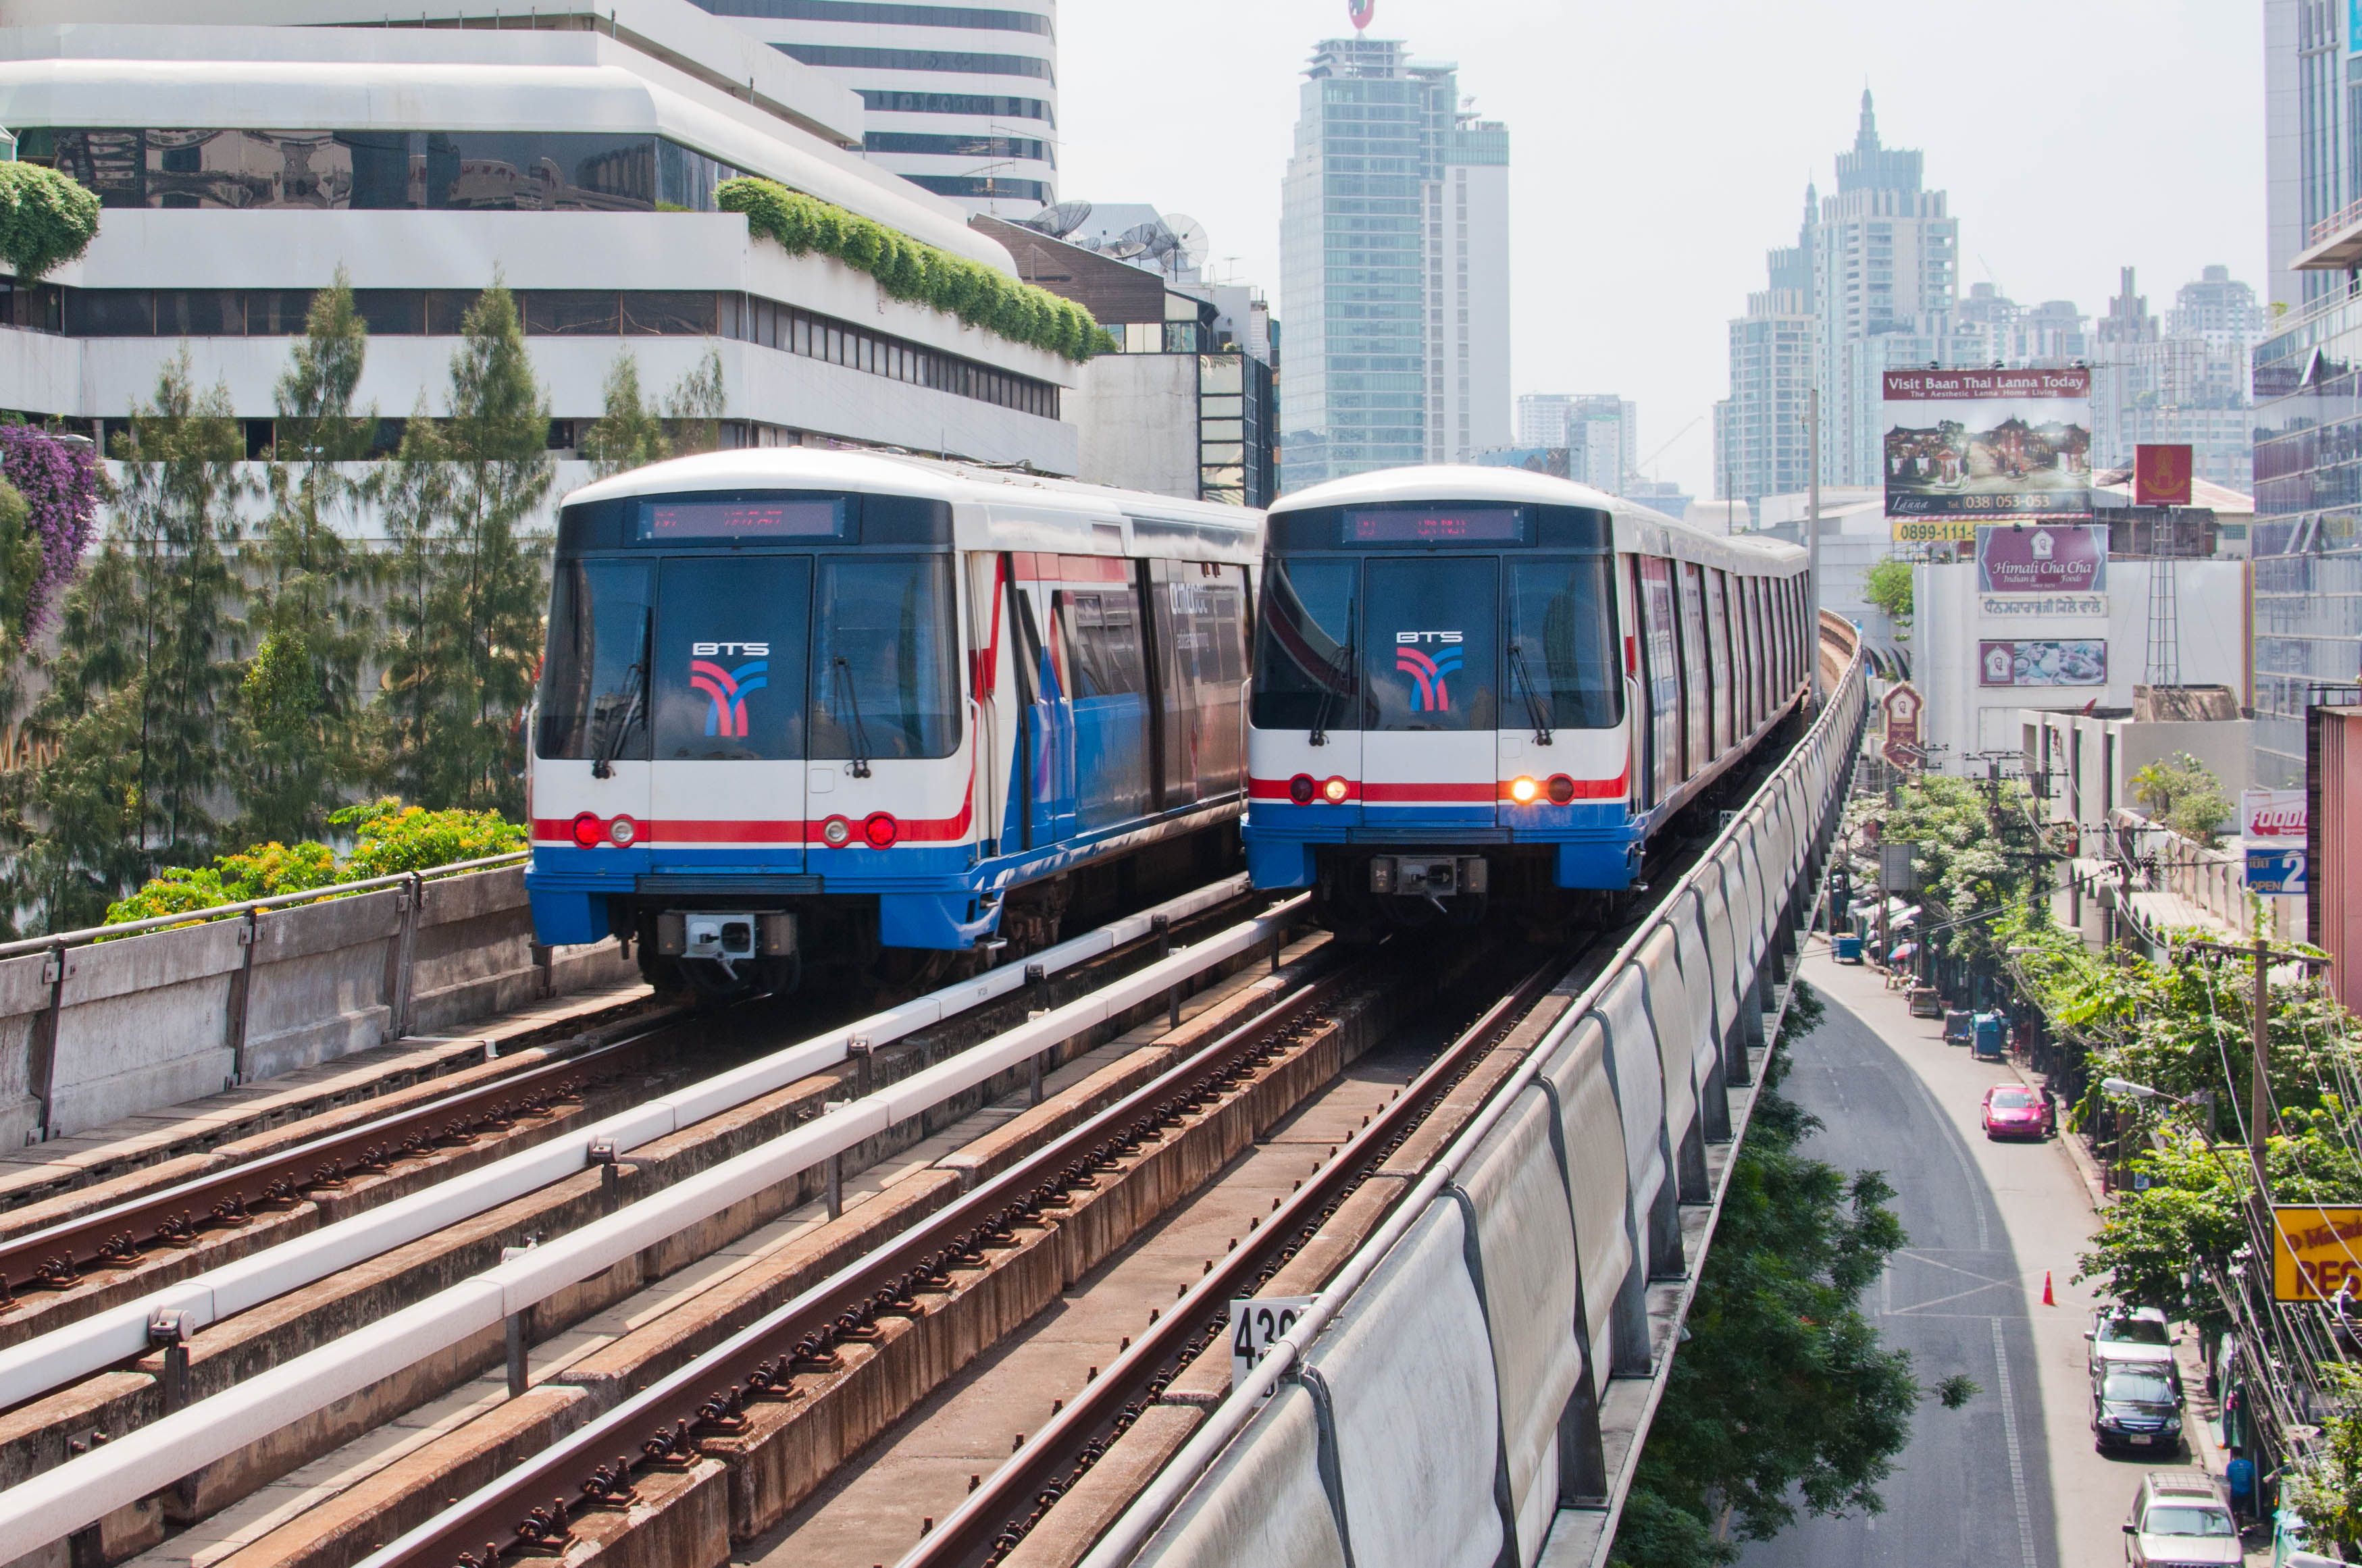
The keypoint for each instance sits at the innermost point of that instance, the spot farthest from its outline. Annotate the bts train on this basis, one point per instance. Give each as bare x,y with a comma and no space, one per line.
1479,687
801,706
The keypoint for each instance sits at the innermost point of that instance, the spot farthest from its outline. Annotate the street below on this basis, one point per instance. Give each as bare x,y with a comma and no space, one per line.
2012,1478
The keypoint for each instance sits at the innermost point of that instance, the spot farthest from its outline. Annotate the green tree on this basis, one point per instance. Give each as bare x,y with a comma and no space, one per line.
694,406
2180,792
628,434
299,699
462,651
144,670
1887,585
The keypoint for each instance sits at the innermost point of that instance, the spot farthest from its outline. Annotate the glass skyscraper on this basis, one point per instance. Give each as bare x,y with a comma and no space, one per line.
1393,264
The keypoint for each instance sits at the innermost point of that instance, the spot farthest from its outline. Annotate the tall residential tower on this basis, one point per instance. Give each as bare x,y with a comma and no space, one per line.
1394,269
1760,442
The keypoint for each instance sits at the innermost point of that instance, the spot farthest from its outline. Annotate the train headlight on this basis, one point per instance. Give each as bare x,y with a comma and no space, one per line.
1300,787
1523,791
835,831
622,830
1333,792
880,830
1562,788
586,830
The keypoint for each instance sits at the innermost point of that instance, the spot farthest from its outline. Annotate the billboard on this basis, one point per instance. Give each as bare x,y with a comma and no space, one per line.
2050,661
1988,443
2273,813
2161,472
1903,706
2316,1252
2042,558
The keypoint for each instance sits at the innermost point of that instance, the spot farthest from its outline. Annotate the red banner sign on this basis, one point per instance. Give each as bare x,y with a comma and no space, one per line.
2162,475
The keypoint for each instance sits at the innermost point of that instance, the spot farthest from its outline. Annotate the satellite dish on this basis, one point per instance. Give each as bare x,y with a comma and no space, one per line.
1153,240
1188,239
1059,221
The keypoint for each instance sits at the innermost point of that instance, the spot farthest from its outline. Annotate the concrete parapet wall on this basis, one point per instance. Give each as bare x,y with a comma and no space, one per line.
92,1031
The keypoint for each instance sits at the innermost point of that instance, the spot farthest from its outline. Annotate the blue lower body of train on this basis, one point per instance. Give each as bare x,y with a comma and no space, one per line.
1587,845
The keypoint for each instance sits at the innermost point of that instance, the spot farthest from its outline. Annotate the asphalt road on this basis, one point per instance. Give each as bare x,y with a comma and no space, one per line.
2010,1481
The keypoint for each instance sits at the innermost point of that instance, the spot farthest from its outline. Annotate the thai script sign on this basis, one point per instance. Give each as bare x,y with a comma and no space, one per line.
2050,661
1988,443
2316,1252
2045,557
2272,813
2022,604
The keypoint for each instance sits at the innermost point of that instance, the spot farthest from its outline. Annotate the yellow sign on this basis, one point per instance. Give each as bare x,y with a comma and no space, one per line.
1933,530
2315,1251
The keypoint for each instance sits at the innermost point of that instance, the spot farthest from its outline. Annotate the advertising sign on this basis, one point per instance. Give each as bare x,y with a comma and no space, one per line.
2021,605
2278,872
1988,443
2272,813
2316,1250
2042,558
2161,474
1904,710
1931,530
2050,661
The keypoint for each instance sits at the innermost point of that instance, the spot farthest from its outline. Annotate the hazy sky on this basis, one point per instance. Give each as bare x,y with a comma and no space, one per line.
1658,149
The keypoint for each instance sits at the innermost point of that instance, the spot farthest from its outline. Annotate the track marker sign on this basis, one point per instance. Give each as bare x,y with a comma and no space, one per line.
1257,1324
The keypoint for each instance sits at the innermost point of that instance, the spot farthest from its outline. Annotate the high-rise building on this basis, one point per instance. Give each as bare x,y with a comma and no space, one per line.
1600,432
962,99
1760,444
1885,267
1394,269
2187,382
2312,181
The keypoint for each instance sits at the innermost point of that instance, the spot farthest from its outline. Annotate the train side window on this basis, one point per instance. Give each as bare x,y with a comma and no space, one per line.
1742,653
1433,641
1561,642
594,682
884,676
1102,630
1200,619
1307,673
732,634
1697,676
1662,674
1725,667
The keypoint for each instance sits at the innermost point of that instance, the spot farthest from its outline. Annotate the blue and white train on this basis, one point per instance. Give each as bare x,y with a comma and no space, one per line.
803,706
1479,686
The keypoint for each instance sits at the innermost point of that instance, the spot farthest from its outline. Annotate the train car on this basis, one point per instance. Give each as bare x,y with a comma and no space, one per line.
1478,686
815,707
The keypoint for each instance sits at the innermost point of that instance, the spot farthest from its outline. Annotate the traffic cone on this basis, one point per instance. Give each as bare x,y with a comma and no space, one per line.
2047,1298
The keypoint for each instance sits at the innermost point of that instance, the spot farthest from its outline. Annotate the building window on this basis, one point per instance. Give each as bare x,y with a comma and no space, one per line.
959,61
877,14
981,186
958,145
986,104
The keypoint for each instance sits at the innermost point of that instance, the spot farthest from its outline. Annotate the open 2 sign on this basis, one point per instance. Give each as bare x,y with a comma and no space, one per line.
1256,1325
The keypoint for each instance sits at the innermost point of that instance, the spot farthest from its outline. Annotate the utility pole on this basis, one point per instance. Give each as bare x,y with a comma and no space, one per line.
2263,954
1813,541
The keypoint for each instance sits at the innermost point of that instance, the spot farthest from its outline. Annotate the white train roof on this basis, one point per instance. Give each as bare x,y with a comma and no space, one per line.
1637,527
993,509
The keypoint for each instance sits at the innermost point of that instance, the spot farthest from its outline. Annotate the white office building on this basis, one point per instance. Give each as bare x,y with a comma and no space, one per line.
1761,441
242,160
962,99
1468,293
1600,432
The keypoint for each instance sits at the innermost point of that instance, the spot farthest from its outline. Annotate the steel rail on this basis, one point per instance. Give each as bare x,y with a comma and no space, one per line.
993,1518
54,1257
118,1333
594,1467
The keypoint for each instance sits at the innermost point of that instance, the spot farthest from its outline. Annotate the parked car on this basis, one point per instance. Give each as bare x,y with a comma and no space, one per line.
2179,1517
2013,1110
2122,1334
2136,1406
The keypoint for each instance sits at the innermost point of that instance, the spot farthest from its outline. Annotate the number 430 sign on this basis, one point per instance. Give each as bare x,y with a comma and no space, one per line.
1256,1325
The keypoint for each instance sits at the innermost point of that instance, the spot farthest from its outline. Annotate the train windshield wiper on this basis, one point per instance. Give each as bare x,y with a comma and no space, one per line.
1343,670
851,701
635,696
1535,710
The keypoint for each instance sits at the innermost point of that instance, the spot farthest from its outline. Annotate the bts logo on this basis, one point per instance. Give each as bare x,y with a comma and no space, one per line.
727,689
723,650
1427,673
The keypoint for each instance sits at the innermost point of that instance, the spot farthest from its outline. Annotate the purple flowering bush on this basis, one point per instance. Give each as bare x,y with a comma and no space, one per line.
61,483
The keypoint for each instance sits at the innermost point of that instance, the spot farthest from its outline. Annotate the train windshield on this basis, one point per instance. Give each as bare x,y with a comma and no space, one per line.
1562,640
1434,642
719,658
1305,667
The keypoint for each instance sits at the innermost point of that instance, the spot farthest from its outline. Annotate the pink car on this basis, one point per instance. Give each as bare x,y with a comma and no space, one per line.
2013,1110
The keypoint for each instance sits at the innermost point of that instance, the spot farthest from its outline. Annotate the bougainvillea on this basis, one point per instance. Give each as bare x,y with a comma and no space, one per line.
60,481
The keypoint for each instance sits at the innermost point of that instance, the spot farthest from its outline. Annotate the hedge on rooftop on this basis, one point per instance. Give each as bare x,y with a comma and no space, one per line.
45,218
909,269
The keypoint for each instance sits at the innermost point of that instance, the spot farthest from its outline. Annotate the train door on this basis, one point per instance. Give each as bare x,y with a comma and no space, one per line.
727,784
1429,753
1099,622
1045,742
1660,677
